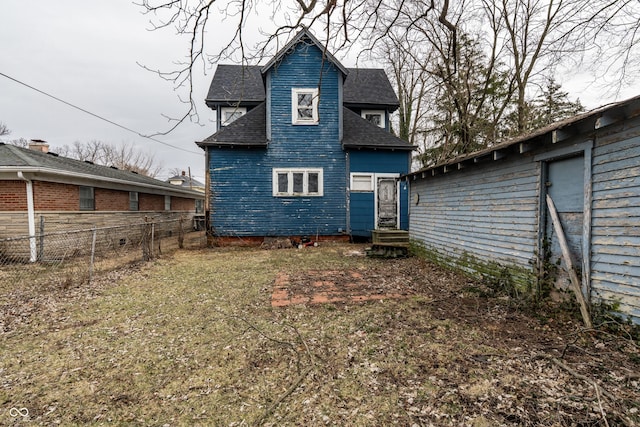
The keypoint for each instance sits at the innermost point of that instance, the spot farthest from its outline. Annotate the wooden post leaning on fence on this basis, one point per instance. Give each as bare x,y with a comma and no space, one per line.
147,236
566,254
181,232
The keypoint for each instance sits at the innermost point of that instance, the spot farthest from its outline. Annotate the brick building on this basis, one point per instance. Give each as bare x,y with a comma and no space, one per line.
39,187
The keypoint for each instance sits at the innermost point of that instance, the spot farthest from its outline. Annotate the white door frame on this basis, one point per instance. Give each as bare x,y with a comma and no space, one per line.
375,196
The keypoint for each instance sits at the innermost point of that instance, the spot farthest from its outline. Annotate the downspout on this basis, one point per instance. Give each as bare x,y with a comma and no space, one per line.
31,217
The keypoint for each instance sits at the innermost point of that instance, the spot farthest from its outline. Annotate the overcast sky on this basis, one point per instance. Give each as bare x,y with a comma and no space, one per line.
87,53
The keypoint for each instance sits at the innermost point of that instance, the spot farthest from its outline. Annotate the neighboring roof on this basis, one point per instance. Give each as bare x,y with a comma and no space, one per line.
303,34
185,181
360,133
249,130
369,86
48,166
585,123
236,84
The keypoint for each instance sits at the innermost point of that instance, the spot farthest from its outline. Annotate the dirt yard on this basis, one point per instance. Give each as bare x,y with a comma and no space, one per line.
313,336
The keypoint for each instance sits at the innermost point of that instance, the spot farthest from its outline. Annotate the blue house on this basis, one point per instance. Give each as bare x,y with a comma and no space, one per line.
303,148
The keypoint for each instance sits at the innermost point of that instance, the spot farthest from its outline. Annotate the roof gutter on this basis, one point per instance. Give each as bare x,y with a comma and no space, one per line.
31,216
55,172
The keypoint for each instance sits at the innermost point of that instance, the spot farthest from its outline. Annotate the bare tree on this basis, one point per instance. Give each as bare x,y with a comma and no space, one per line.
520,44
4,130
486,78
122,156
338,23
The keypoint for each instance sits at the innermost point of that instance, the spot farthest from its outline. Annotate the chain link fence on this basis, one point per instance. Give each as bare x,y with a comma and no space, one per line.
71,257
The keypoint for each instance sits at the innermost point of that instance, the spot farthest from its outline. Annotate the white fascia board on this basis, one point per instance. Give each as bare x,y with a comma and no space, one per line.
55,175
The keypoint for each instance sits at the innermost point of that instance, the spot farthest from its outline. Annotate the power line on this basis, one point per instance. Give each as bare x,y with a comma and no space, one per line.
97,116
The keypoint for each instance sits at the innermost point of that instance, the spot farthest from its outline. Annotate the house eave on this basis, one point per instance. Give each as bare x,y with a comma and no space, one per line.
216,144
73,178
585,124
379,147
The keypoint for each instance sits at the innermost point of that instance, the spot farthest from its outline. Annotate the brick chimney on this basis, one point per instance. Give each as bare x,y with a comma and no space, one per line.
39,145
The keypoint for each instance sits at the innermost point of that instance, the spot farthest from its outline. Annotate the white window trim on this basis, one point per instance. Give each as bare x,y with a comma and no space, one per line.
167,203
305,184
224,110
383,123
294,106
362,174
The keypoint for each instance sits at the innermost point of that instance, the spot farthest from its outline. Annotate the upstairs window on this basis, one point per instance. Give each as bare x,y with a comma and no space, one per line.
374,116
87,199
297,182
304,104
230,114
167,203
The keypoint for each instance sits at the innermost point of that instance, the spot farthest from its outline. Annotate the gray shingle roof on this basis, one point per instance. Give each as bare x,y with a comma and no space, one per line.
236,83
363,87
360,133
368,87
13,158
249,130
185,181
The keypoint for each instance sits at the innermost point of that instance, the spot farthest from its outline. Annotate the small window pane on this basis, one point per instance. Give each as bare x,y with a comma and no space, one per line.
376,119
305,99
283,183
361,183
313,182
133,201
87,200
230,116
298,182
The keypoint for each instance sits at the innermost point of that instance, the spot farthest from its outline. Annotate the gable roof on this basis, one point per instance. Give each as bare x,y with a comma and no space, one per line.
185,181
236,84
301,36
365,87
360,133
243,85
248,130
51,167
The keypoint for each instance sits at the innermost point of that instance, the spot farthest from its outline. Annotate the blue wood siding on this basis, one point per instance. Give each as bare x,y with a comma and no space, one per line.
241,179
615,228
362,214
489,211
362,208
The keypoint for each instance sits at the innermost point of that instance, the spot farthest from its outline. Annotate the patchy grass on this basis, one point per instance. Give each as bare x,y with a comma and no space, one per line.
192,339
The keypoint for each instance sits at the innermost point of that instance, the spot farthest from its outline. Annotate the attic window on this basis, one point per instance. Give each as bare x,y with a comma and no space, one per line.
304,106
374,116
230,114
